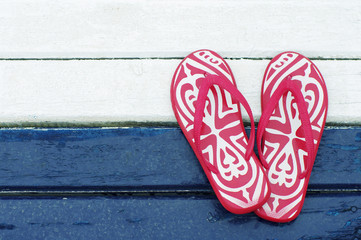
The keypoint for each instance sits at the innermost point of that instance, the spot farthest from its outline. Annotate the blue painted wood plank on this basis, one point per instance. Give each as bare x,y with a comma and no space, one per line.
138,157
323,217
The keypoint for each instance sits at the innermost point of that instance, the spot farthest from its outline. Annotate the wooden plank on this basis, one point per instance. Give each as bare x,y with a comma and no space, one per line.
138,90
322,217
143,158
141,28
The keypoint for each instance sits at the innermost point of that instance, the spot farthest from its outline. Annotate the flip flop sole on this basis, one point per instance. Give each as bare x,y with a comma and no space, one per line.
284,145
240,185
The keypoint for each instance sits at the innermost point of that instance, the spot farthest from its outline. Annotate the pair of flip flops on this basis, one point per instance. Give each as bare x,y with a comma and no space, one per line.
206,103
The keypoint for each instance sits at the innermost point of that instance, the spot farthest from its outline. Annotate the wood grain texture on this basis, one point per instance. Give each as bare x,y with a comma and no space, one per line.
143,158
322,217
138,90
143,28
101,61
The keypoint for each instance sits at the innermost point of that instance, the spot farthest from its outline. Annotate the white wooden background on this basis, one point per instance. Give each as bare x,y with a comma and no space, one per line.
108,60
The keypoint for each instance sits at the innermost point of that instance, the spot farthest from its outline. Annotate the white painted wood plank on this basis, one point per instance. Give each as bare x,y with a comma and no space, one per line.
138,90
142,28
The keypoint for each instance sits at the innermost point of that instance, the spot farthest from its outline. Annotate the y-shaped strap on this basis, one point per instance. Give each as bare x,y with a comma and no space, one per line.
288,86
225,84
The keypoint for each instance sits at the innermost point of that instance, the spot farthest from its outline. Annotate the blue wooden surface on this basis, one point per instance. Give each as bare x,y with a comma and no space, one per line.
143,157
323,217
51,178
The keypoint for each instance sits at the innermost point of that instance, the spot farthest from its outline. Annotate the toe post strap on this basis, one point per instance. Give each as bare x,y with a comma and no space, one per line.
207,83
287,85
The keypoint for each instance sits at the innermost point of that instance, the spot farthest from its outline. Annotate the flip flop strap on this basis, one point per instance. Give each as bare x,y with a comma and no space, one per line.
288,86
225,84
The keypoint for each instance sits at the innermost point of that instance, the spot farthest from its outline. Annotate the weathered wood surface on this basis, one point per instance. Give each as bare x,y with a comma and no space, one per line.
143,28
323,217
145,183
101,91
154,158
91,63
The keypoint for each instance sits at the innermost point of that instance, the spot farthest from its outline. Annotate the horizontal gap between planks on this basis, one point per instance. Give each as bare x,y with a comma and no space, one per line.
87,191
159,58
124,124
88,124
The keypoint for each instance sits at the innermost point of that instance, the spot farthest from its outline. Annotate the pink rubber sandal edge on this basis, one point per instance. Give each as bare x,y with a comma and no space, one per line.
269,210
229,205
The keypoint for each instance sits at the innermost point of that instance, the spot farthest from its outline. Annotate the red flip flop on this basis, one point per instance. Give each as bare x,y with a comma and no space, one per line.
294,108
205,102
